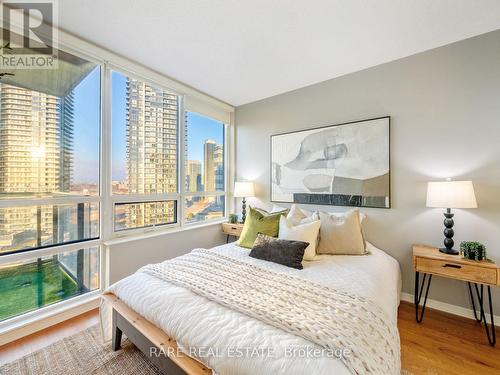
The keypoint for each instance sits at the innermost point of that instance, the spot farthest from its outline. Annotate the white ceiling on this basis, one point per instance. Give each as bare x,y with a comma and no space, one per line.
244,50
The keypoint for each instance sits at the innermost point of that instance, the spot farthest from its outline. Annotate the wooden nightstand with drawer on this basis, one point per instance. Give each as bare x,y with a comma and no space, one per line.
233,230
430,261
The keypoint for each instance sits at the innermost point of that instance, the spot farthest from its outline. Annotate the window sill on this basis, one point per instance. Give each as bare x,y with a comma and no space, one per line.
161,232
34,321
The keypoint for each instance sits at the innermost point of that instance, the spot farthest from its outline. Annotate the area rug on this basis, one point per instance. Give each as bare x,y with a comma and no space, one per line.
83,353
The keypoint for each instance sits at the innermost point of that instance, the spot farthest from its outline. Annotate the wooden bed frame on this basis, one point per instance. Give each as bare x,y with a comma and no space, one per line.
145,335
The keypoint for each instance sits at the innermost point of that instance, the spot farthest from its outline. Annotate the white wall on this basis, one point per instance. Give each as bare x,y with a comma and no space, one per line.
445,122
125,258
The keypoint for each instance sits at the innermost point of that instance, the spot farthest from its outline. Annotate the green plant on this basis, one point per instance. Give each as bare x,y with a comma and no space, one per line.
473,250
233,218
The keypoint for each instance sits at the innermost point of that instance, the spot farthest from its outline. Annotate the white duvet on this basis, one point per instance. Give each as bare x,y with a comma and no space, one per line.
225,340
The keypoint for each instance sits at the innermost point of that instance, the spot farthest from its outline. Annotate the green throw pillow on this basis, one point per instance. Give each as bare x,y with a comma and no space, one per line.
259,221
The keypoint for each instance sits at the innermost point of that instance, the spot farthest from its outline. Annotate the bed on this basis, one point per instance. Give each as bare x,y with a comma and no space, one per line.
193,321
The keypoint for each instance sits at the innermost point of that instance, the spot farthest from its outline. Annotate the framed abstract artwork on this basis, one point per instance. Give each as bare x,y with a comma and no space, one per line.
342,165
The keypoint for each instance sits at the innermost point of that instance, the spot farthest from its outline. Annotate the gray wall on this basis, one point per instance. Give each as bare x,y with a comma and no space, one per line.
445,122
125,258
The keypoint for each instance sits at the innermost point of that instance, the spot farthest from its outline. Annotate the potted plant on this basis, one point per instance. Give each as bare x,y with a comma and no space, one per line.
473,250
233,218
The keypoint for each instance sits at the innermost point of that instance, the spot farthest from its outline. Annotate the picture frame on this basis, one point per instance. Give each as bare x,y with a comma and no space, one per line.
346,164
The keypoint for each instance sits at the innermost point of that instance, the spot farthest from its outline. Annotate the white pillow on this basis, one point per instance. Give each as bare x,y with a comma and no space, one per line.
298,215
307,232
341,234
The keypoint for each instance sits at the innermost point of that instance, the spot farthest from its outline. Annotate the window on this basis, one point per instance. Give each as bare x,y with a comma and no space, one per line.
144,153
49,184
204,168
144,214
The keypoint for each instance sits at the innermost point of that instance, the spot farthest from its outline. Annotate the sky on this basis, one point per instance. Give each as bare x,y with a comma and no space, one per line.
86,129
201,128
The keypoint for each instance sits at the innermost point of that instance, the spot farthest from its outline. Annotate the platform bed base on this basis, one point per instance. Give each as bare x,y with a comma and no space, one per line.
158,347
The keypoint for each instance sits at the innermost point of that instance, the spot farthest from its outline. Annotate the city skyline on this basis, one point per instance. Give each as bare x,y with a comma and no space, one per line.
86,126
201,128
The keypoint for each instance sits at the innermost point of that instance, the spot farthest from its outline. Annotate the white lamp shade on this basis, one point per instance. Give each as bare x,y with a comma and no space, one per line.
451,194
243,189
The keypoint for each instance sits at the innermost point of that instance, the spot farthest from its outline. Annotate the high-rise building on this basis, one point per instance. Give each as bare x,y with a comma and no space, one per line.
219,167
36,157
193,176
219,172
209,165
151,142
66,141
213,166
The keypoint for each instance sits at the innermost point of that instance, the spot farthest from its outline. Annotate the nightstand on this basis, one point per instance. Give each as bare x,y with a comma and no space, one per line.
430,261
231,230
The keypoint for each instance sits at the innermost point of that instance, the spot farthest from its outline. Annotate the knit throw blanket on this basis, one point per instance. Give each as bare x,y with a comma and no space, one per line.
327,317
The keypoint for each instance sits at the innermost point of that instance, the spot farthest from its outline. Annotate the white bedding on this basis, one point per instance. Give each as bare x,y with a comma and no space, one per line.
194,321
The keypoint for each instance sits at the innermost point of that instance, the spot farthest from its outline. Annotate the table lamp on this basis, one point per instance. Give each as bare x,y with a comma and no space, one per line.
243,190
450,194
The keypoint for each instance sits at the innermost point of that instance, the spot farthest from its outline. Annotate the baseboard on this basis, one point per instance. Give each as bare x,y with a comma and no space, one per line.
446,307
47,319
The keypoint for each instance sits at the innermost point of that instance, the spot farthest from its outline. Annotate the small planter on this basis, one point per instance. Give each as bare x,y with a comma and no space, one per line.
473,250
233,218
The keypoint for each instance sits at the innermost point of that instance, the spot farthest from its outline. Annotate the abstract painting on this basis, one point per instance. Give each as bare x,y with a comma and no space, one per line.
343,165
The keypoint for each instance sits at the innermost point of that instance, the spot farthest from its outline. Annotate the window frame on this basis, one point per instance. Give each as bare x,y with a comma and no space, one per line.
56,201
107,62
180,195
145,227
114,199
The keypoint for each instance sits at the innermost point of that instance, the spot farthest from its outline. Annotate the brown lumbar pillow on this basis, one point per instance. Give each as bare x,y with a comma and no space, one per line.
341,234
285,252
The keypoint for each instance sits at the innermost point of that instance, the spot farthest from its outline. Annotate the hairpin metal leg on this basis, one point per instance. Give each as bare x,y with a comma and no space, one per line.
490,331
474,304
418,294
227,238
493,339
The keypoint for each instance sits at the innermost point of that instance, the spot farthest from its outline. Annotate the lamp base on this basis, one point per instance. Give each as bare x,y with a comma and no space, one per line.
243,210
448,251
448,234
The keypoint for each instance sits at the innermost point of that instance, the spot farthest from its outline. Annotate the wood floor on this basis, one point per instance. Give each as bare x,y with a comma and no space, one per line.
441,344
445,344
